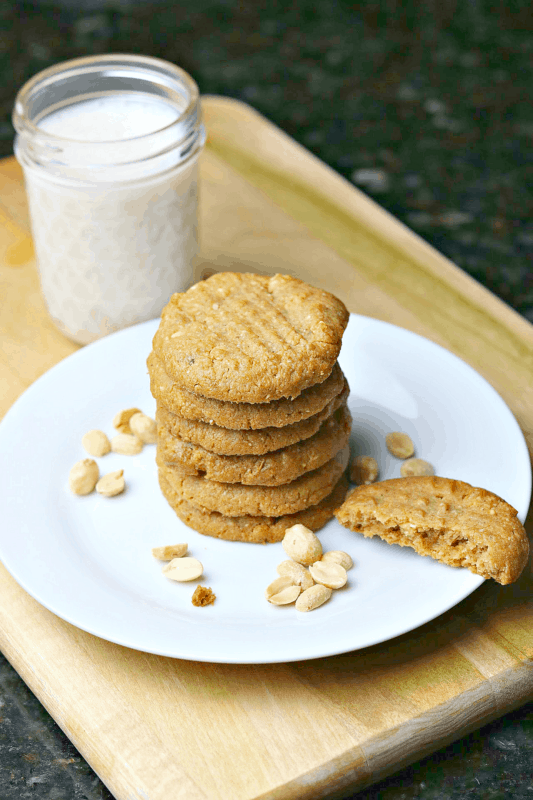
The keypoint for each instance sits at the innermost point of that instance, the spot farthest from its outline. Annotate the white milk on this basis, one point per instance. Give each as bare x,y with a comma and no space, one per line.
112,190
109,119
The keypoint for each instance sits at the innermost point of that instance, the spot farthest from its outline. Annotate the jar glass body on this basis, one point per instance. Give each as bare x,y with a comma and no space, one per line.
109,146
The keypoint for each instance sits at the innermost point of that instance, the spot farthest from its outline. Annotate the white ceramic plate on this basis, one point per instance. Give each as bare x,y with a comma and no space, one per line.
88,559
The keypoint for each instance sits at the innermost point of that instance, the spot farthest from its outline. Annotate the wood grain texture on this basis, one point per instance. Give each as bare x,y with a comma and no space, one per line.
156,727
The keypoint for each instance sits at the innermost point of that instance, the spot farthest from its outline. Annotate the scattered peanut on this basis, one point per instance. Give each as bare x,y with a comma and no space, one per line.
282,591
126,444
399,444
299,575
83,476
302,545
96,443
364,469
313,597
328,574
169,552
338,557
183,569
111,484
121,421
415,467
144,427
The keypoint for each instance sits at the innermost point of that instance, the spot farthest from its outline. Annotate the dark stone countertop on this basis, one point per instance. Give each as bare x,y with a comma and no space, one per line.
424,106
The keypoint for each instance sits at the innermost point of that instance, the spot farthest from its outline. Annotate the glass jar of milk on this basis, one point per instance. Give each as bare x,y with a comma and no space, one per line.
109,148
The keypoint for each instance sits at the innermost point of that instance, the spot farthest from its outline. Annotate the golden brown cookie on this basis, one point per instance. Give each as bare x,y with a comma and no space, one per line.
236,500
260,530
248,338
242,416
271,469
449,520
227,442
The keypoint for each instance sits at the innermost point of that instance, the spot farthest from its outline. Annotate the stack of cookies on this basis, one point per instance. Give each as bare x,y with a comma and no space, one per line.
252,420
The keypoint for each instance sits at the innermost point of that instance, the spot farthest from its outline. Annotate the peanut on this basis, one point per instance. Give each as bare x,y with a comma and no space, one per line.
416,466
282,591
169,552
364,469
121,421
399,444
144,427
338,557
313,597
126,444
96,443
111,484
302,545
83,476
328,574
183,569
299,575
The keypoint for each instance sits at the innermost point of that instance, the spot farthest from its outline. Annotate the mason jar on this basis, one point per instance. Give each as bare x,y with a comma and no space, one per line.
109,148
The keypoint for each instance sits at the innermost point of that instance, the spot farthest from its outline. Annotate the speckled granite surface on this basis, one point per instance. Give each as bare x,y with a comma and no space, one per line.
427,108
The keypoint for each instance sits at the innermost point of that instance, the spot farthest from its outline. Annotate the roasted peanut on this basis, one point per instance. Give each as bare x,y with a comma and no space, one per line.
416,467
313,597
328,574
296,572
121,421
338,557
111,484
126,444
399,444
83,476
96,443
183,569
169,552
364,469
282,591
302,545
144,427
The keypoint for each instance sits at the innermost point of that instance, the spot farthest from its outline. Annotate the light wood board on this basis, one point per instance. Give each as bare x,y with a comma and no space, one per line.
155,728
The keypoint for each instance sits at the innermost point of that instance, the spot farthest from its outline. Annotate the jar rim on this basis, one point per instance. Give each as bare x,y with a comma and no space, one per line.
156,66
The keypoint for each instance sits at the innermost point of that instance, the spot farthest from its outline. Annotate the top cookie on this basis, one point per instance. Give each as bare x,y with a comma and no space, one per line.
248,338
449,520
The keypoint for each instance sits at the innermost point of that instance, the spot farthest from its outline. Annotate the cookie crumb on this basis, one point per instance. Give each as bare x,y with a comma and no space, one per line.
203,596
399,444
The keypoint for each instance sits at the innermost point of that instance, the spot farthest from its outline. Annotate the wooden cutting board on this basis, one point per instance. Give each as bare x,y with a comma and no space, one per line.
155,728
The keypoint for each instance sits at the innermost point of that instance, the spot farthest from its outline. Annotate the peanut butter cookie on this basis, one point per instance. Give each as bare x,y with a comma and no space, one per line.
236,500
271,469
241,416
449,520
261,529
248,338
227,442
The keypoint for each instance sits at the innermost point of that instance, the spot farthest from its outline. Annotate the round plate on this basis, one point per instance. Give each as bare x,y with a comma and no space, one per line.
88,559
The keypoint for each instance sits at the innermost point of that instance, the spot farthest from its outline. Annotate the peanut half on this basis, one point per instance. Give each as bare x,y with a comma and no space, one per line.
416,467
338,557
143,427
183,569
302,545
298,574
121,421
83,476
96,443
328,574
111,484
364,469
126,444
399,444
170,551
282,591
313,597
